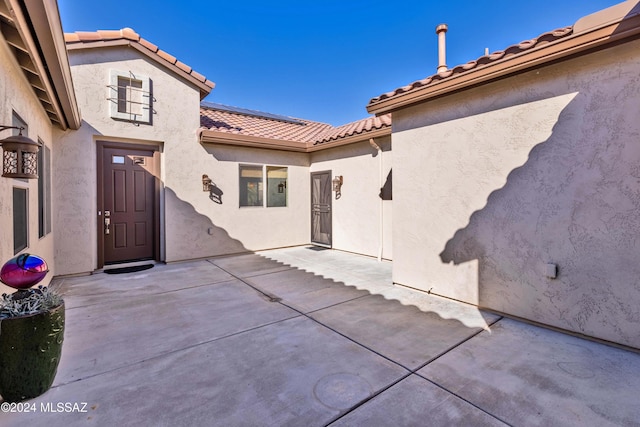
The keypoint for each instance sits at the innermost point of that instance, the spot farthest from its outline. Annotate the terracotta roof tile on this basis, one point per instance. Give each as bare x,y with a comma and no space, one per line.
225,119
146,43
128,33
478,63
71,37
87,38
184,67
167,57
198,76
355,128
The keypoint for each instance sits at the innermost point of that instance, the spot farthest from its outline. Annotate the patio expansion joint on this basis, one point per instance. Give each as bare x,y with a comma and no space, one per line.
168,353
368,399
415,372
143,297
285,267
452,392
275,298
470,337
161,292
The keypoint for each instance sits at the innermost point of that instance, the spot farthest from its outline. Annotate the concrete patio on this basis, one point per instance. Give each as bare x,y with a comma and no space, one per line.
308,337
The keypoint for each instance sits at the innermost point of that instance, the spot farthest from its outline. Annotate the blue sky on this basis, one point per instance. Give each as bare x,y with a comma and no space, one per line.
322,60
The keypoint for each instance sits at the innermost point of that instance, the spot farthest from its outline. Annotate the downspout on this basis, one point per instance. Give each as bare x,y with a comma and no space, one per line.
381,178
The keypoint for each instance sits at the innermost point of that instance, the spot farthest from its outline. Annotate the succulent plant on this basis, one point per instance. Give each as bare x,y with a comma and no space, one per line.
29,301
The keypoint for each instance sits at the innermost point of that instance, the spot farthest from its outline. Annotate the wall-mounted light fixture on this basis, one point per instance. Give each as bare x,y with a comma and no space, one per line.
282,186
206,183
337,185
19,155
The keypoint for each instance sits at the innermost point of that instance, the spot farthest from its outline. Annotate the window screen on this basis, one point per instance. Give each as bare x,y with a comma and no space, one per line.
251,186
276,186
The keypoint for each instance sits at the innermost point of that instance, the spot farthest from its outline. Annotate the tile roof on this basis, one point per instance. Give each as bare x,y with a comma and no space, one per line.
83,39
354,128
481,62
233,120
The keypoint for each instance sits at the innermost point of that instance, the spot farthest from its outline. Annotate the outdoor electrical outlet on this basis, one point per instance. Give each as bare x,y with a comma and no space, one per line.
551,271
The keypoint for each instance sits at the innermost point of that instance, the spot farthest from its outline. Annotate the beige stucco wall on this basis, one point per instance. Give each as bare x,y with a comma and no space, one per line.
16,95
192,225
356,214
540,168
174,126
235,228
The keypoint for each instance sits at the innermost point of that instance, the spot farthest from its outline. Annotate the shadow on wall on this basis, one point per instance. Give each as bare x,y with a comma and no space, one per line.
386,192
574,203
190,234
362,148
255,155
215,193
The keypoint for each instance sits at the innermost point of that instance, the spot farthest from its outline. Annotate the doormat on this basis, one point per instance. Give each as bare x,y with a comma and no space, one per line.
132,269
317,248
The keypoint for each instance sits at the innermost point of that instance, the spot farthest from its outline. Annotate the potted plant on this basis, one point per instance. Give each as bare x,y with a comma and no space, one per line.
31,330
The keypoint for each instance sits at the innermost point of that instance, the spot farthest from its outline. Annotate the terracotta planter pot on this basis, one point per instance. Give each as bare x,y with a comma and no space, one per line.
30,349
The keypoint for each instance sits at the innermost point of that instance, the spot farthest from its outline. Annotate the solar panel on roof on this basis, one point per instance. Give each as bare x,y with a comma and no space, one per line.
247,112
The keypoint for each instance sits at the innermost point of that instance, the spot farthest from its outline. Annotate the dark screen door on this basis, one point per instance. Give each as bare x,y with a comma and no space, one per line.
321,208
128,215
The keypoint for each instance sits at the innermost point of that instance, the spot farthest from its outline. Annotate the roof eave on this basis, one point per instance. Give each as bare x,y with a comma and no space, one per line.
352,139
562,49
215,137
41,30
204,87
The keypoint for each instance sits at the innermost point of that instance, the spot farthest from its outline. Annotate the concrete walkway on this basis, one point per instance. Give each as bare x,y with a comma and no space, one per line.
308,337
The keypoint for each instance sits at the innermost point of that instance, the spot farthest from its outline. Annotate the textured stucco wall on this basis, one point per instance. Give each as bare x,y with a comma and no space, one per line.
540,168
16,95
193,225
175,122
234,228
356,214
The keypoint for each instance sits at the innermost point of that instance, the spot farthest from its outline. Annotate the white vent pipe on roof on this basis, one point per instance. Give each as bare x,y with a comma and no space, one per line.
442,48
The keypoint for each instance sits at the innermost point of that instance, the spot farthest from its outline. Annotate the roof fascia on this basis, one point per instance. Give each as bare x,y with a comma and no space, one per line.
361,137
202,87
562,49
40,28
214,137
209,136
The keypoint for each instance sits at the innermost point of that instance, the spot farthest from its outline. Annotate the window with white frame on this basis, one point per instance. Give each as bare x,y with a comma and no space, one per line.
253,192
130,96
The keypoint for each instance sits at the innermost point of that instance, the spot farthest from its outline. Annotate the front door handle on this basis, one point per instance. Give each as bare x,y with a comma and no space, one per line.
107,222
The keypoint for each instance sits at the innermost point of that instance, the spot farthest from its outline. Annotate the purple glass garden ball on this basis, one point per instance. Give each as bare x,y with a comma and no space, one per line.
23,271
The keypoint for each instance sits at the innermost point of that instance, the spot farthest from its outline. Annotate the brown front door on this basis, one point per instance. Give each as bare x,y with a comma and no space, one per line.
127,218
321,208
